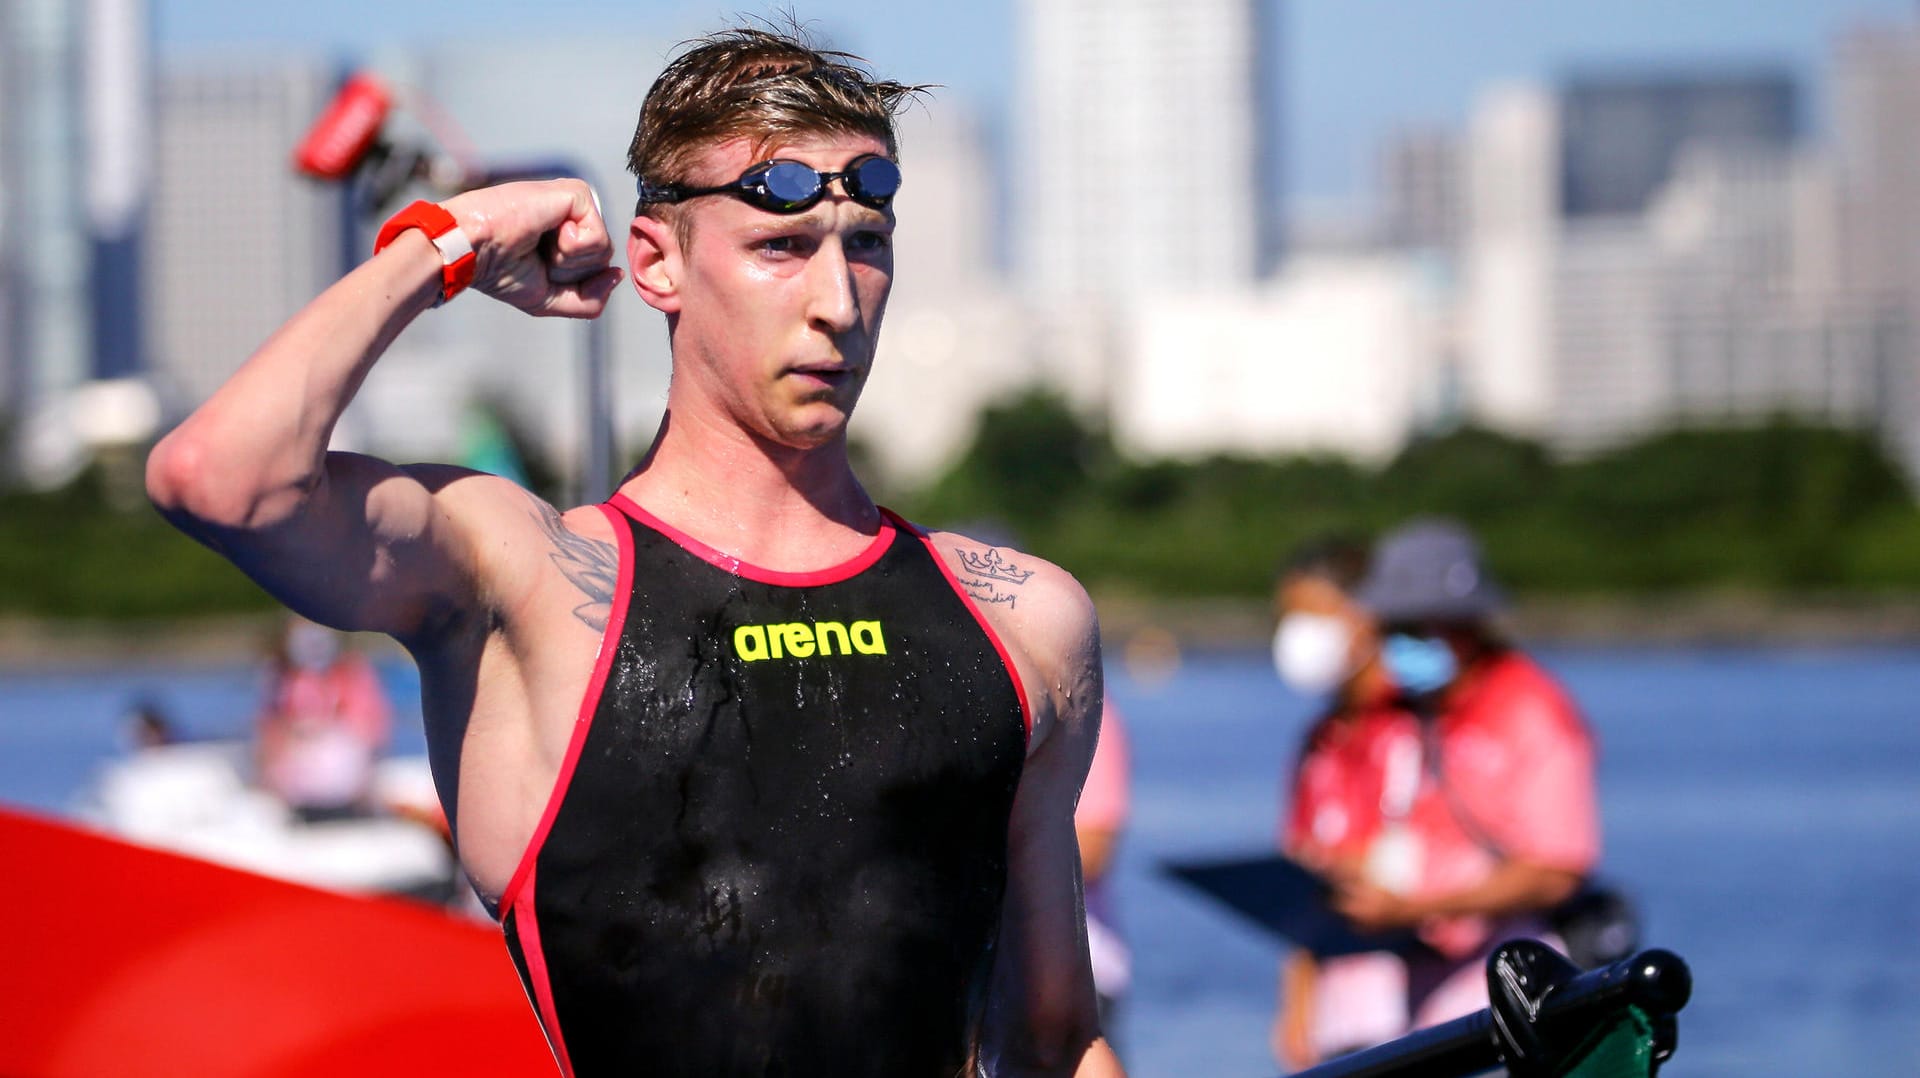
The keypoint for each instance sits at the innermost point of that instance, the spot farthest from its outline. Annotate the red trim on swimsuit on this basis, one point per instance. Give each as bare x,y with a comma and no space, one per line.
1006,657
833,574
527,926
609,645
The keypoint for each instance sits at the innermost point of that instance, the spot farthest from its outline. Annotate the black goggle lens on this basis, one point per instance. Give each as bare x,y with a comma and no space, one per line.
785,186
872,181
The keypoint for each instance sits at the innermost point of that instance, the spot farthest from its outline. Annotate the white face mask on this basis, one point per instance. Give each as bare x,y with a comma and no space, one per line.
1313,653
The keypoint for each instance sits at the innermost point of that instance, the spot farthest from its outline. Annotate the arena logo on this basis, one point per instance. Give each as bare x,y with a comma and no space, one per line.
799,640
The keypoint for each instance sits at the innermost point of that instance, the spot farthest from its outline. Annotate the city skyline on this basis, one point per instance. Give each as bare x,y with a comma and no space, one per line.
1349,74
1455,295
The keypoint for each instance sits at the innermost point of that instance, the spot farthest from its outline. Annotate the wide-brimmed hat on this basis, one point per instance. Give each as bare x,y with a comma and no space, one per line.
1429,570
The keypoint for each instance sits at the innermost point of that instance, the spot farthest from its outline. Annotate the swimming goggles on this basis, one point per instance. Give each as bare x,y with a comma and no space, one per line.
790,187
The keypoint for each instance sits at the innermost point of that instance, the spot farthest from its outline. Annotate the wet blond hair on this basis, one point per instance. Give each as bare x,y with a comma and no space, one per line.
766,85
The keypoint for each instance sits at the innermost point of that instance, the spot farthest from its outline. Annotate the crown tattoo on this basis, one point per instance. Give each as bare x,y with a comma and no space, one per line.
993,566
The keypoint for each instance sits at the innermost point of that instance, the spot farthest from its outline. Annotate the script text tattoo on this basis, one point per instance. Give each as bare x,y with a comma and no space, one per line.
990,577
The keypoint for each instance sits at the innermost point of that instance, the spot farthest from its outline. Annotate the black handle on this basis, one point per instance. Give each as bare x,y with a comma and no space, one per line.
1542,1007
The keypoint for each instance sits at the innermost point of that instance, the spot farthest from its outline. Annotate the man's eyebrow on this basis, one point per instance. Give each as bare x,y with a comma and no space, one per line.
819,219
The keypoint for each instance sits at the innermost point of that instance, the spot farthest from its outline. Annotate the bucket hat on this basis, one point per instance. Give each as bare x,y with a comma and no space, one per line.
1429,570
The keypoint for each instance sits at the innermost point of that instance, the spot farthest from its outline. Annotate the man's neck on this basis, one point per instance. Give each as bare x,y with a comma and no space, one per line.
770,505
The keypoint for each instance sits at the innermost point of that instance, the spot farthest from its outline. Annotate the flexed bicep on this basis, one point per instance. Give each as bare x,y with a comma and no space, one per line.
373,546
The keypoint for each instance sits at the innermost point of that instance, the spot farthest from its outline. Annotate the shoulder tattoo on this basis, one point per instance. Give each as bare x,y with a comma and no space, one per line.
990,577
591,565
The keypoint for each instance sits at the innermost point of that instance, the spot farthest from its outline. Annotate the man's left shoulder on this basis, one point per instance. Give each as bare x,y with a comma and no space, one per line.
1033,601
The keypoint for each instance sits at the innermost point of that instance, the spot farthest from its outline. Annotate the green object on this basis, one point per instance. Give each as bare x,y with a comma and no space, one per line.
485,446
1621,1047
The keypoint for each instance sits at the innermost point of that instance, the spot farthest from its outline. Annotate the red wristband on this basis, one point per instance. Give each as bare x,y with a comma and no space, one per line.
456,253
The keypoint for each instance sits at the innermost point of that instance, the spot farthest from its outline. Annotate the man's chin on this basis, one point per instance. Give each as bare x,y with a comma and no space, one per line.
820,425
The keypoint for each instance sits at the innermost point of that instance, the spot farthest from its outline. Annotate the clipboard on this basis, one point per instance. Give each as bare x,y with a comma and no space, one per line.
1285,900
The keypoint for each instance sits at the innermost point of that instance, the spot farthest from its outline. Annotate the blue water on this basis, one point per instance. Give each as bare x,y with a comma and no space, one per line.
1765,805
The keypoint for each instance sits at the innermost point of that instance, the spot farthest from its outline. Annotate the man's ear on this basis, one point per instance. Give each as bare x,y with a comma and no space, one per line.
653,254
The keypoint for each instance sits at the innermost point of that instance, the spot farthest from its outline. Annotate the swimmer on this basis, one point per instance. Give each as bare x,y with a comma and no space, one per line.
758,777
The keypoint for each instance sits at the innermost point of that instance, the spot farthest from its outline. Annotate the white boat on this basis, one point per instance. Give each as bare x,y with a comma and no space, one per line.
194,798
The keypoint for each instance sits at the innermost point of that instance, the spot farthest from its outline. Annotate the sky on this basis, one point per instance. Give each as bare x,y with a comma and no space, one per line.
1349,73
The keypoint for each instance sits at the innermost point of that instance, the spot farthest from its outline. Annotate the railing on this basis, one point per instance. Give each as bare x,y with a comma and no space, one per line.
1543,1016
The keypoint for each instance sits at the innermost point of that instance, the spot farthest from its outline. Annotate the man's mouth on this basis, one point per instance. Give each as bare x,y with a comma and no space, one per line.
828,373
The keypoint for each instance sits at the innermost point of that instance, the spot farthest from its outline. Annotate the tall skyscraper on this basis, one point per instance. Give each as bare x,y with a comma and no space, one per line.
1140,148
1422,185
74,180
119,151
1620,134
1876,96
1507,260
42,165
238,241
11,374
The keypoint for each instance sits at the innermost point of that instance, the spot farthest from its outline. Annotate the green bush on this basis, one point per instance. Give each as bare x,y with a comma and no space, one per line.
1779,507
89,551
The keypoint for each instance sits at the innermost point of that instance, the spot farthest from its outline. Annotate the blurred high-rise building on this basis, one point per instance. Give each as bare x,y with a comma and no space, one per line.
1620,134
75,177
1875,100
1507,258
1712,297
47,332
11,372
1141,146
1874,103
1422,182
1718,307
119,155
238,241
1756,326
1337,353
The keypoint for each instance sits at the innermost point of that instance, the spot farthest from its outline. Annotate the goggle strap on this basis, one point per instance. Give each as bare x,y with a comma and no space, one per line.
653,193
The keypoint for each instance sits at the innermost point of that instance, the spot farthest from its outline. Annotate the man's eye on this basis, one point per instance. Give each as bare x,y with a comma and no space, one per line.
780,245
870,241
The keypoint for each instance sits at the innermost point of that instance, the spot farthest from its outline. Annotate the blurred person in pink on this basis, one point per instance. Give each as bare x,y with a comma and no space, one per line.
323,722
1487,816
1326,648
1099,821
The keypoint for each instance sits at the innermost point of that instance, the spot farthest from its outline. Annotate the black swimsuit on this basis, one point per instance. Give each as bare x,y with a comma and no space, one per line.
778,845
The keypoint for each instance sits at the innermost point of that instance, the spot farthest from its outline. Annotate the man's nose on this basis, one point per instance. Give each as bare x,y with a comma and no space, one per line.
832,301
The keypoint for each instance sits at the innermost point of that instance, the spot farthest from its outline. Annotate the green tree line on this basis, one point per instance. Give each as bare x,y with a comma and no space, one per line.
1783,507
1780,507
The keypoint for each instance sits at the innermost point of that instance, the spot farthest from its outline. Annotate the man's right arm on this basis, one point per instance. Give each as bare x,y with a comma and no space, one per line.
349,540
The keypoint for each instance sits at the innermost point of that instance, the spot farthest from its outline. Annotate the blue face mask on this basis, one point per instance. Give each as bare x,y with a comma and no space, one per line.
1419,664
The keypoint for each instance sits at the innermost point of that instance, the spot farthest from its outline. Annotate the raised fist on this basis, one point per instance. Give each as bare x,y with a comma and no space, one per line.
539,245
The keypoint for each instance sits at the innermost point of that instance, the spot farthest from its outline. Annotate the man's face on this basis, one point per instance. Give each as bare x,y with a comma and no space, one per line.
779,314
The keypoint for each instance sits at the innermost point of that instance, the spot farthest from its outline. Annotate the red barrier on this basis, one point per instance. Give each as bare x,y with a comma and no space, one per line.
133,962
